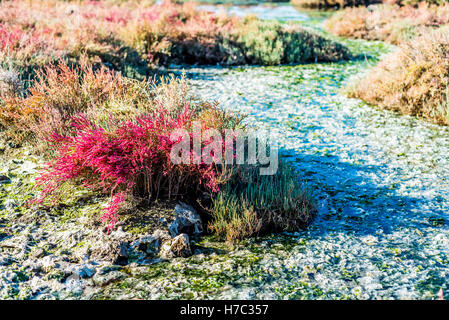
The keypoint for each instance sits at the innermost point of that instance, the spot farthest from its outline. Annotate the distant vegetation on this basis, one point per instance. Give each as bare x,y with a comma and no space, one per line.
390,23
339,4
237,2
132,37
412,80
332,4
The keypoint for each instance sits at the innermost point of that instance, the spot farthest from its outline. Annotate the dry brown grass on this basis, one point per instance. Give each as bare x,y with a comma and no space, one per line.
390,23
59,92
412,80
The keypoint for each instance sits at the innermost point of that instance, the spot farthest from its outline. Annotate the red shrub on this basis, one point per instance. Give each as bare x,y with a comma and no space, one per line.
118,16
9,38
127,158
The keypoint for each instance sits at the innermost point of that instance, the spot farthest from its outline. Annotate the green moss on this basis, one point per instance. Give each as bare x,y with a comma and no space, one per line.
348,275
299,290
431,286
154,271
437,221
58,275
21,276
145,220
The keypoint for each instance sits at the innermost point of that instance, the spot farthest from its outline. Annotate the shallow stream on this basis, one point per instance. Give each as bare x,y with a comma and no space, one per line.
381,181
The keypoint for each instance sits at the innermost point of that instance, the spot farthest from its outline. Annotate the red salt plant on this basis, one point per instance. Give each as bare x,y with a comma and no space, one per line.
149,15
14,37
9,38
125,159
118,17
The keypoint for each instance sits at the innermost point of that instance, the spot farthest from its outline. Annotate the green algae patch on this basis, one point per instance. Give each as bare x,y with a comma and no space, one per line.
144,219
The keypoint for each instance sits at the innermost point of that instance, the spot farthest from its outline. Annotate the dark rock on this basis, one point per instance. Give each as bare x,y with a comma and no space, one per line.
5,260
114,251
4,179
107,269
13,145
3,236
187,221
150,244
176,247
85,271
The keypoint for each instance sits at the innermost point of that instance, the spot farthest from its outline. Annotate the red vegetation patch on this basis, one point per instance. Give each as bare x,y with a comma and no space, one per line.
127,158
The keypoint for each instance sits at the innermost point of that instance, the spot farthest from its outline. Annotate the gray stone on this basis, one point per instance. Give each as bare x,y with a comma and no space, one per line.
105,279
4,179
106,269
9,276
84,271
10,83
37,284
10,204
176,247
38,253
151,244
187,221
49,262
74,286
5,260
114,251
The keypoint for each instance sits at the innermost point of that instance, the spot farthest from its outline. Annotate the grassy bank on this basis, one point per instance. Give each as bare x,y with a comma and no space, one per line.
388,22
412,80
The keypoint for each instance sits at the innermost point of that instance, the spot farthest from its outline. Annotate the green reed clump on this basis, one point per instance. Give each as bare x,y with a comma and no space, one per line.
251,203
272,43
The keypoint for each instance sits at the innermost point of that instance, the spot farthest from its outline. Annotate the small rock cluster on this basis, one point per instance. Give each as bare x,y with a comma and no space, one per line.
44,257
168,243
